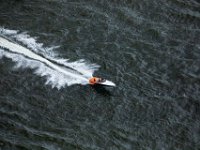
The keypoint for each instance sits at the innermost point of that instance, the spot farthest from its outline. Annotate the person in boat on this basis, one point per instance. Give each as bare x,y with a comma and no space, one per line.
96,80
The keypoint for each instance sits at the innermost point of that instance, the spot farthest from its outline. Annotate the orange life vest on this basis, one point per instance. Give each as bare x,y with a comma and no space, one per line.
93,80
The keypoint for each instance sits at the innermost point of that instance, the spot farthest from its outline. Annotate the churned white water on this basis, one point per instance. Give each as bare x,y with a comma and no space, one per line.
58,71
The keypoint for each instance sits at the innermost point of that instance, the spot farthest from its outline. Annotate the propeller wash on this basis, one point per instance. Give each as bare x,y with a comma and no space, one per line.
59,72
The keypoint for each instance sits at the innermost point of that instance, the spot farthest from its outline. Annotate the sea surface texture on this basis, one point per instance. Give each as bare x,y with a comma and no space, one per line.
149,48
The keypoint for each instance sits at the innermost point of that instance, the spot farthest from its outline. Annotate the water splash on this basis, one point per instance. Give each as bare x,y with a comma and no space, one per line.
59,72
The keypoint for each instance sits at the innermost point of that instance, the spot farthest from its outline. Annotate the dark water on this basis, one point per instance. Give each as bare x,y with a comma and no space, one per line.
149,48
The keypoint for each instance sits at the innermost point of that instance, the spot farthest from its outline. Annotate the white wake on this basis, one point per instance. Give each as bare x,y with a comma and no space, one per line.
58,71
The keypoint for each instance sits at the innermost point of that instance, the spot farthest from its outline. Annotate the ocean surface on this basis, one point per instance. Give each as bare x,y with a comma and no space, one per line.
149,48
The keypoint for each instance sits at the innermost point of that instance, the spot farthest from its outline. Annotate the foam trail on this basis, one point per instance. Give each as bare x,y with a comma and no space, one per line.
59,72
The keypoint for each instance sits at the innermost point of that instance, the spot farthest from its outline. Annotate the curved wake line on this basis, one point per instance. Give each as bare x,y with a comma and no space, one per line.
59,72
24,51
